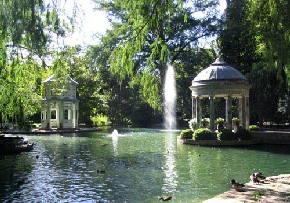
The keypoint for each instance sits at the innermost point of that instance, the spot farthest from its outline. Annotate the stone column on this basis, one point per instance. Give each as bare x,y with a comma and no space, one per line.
243,111
48,114
229,112
193,112
247,112
198,111
212,112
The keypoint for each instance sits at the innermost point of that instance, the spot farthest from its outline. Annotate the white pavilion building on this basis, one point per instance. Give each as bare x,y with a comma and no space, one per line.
60,107
221,80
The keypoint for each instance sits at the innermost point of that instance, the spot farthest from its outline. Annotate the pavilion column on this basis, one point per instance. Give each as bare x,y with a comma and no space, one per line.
48,114
212,113
247,111
198,112
193,106
242,111
74,115
229,112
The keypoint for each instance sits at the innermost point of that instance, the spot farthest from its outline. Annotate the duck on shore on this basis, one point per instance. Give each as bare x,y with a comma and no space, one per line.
237,186
257,177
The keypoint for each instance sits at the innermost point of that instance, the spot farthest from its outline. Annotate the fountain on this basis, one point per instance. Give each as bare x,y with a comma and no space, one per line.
169,99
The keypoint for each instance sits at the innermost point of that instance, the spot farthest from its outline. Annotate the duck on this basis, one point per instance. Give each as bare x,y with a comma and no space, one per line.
257,177
101,171
165,198
237,186
260,176
254,179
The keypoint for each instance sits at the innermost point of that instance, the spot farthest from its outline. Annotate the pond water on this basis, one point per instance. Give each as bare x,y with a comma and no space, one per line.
140,165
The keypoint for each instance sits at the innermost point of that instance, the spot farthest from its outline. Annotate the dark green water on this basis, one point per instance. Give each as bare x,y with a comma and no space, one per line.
141,165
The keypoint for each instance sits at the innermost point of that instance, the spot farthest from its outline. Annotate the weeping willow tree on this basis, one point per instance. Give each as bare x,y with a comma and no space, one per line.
27,27
148,34
272,25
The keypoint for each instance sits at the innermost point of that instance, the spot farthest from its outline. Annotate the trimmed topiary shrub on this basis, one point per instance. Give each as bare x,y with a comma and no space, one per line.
254,128
203,134
226,134
186,134
244,134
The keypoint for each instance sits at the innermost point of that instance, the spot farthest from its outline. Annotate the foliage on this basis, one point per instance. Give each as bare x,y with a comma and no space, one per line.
237,39
254,128
186,134
226,134
203,134
142,115
146,35
100,120
257,194
244,134
27,28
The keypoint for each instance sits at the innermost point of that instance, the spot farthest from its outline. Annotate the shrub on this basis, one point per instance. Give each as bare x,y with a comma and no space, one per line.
203,134
186,134
244,134
226,134
100,120
253,128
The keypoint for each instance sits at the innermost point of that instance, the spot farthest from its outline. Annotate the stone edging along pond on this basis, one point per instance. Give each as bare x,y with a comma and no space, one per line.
260,137
220,143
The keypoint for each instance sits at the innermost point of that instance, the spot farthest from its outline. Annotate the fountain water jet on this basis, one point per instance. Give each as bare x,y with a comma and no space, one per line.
169,90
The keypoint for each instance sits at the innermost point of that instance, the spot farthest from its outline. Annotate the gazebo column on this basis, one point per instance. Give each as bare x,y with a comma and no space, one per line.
242,111
212,112
247,112
198,111
193,107
229,112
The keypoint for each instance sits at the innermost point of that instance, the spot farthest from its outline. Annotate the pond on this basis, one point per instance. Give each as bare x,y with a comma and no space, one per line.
138,165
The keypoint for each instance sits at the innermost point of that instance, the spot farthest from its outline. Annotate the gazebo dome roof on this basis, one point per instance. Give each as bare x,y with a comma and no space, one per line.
219,70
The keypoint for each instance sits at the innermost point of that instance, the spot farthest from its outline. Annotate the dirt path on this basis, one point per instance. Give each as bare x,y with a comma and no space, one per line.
275,189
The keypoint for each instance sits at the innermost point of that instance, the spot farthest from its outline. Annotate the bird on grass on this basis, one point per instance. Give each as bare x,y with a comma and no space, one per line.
237,186
165,198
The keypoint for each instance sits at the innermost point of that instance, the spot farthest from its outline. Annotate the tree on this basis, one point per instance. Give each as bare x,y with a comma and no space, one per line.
237,37
271,20
146,34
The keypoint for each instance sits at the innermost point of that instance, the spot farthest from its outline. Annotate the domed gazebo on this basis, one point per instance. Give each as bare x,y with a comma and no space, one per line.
220,80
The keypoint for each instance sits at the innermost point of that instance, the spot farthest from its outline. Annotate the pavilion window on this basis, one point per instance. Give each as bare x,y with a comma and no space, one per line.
66,114
53,114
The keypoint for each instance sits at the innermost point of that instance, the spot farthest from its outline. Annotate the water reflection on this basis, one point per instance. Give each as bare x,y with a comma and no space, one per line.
171,177
140,166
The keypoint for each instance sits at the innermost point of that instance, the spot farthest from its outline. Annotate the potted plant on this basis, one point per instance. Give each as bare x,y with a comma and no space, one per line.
192,124
220,122
235,122
205,122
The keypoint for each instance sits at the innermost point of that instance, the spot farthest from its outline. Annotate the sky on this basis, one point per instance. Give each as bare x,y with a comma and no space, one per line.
92,21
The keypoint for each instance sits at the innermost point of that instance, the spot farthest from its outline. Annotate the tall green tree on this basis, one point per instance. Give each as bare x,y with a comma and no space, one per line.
237,37
147,35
